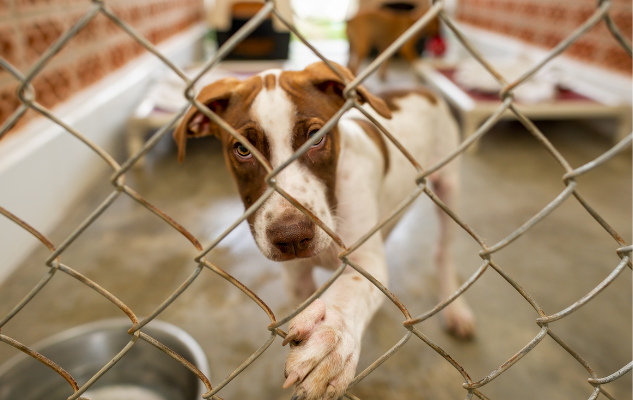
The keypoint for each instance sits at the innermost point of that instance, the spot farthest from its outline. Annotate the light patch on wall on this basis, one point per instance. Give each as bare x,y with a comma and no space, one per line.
332,10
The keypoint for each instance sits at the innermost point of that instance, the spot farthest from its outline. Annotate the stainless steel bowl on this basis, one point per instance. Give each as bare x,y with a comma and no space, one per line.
144,373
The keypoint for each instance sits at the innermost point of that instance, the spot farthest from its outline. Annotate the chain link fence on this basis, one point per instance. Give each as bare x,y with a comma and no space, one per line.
472,387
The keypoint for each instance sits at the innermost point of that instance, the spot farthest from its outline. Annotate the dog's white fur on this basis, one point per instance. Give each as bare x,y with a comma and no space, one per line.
334,324
275,113
325,338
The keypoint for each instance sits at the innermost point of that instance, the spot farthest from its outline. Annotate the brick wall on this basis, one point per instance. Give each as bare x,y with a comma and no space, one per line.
546,23
28,27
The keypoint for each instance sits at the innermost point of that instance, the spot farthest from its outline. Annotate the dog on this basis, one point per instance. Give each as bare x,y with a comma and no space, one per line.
349,179
377,28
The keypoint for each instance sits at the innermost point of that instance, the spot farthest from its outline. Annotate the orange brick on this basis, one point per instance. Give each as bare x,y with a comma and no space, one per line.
90,69
39,34
616,58
28,5
99,48
53,86
9,101
4,7
583,49
8,43
92,31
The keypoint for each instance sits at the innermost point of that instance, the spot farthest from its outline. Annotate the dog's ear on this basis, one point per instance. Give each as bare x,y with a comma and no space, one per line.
216,96
328,81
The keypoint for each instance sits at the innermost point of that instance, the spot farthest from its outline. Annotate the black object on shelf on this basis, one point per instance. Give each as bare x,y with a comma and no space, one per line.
264,43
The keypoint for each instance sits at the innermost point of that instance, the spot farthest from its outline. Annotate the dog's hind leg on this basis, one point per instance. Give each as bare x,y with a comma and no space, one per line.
457,317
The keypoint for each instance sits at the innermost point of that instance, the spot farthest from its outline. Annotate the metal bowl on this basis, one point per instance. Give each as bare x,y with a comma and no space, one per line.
144,373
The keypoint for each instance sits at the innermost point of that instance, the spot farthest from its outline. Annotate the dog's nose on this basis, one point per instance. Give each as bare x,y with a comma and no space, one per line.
292,236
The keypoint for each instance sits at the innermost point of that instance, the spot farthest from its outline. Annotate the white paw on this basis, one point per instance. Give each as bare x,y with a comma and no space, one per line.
323,354
458,319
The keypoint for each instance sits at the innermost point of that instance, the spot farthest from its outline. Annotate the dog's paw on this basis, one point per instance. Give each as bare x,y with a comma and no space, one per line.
458,319
323,354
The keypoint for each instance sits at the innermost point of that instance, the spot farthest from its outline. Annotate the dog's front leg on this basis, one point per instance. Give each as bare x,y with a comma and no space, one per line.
299,280
325,338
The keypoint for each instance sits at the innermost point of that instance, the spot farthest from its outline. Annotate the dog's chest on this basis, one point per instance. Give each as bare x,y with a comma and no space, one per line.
413,126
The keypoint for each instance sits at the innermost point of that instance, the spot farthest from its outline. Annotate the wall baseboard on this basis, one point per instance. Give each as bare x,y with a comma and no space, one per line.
44,170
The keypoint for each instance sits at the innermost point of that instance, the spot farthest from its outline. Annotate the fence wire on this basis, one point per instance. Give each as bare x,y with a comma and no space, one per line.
27,96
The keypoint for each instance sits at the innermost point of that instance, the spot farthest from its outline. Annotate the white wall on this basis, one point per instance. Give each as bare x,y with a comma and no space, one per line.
44,169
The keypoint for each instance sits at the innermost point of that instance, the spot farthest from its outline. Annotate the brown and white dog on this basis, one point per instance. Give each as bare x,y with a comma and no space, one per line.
377,28
349,179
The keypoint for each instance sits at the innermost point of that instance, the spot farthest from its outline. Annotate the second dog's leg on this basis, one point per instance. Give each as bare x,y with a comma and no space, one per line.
457,317
382,71
408,52
357,53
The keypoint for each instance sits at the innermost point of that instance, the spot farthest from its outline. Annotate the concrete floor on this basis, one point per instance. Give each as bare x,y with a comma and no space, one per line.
142,260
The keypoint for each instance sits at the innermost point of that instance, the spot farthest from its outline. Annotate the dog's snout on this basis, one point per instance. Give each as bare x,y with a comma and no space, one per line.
292,236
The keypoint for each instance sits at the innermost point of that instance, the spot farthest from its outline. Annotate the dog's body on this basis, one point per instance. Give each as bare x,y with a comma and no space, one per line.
349,179
377,28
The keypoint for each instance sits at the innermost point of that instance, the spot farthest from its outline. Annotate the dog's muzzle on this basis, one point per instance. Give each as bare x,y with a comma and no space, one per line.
292,236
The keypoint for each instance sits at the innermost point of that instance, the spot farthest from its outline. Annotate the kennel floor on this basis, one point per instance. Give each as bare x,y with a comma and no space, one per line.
142,260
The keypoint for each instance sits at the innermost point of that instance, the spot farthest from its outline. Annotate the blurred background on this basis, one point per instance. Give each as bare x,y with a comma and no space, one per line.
107,86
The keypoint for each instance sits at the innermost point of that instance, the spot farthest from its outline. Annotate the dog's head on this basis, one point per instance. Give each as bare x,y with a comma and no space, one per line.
277,112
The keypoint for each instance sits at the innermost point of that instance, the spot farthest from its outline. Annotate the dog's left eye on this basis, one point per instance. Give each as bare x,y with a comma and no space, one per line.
242,151
312,133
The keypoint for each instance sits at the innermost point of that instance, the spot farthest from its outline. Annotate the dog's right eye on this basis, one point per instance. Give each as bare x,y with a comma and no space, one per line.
312,133
241,151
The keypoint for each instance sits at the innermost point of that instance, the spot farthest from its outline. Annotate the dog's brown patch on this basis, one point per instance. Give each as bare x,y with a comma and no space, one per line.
376,136
270,81
317,93
231,100
390,96
314,107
